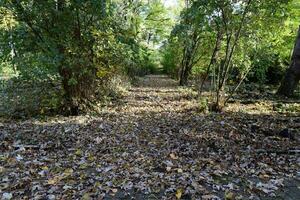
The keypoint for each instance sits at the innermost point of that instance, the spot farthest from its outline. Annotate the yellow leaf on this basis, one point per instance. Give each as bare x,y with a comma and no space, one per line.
178,193
264,176
78,152
54,180
86,196
229,195
68,172
97,184
91,158
83,166
102,73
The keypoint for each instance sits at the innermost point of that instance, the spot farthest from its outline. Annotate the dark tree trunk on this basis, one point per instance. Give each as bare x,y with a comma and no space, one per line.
213,58
103,8
185,69
189,53
292,76
70,105
184,78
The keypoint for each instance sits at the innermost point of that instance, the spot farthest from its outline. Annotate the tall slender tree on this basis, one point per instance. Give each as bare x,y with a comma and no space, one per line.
292,76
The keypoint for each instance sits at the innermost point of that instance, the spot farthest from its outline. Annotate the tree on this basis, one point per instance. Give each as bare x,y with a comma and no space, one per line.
80,39
292,76
64,32
220,40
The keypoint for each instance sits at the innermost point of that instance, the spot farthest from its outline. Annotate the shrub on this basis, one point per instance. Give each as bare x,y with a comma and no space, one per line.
21,97
203,105
268,68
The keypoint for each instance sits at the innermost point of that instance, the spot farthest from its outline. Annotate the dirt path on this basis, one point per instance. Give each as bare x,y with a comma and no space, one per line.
152,145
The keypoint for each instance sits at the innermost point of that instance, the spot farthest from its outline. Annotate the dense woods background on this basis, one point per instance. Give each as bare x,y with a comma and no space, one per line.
65,56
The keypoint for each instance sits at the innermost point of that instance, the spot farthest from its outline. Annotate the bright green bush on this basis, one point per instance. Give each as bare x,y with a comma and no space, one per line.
267,67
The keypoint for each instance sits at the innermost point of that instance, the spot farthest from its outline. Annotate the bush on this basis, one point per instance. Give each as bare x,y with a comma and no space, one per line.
24,98
141,65
203,105
268,68
171,59
6,70
113,88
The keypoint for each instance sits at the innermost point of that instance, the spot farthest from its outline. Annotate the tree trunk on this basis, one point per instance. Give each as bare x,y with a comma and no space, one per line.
213,59
184,78
13,52
103,8
71,104
292,76
188,57
184,70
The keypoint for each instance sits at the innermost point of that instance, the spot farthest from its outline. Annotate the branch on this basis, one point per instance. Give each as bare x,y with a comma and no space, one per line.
237,36
213,58
21,11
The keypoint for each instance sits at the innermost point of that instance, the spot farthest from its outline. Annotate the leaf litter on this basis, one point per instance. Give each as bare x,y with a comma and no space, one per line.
154,145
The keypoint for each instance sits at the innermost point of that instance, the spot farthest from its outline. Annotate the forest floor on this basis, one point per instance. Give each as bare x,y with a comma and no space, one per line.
155,144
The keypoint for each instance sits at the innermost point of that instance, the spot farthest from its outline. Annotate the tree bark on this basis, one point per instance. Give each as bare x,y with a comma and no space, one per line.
213,58
70,106
185,68
188,57
292,76
103,8
13,52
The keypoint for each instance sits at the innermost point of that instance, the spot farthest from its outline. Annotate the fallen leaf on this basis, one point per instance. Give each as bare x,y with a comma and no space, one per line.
19,157
210,197
178,193
173,156
179,170
229,195
7,196
114,190
86,196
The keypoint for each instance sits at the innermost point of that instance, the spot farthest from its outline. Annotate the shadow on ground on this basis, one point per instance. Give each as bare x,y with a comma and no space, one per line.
154,146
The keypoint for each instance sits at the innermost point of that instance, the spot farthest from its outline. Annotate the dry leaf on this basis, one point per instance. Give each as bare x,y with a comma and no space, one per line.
114,190
173,156
178,193
229,195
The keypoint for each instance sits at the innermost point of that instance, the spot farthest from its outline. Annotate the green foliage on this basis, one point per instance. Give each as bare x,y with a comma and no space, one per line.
79,46
141,63
6,69
267,67
263,47
203,105
286,107
21,97
82,47
171,59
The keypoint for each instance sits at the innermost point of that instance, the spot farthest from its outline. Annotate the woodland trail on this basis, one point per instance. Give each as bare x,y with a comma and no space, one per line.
154,144
156,94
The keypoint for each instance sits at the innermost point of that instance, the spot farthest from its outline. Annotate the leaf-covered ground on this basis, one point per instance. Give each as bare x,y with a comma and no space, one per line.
154,144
